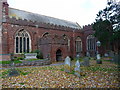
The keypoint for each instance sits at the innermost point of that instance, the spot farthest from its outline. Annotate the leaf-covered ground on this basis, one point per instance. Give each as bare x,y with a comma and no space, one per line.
95,76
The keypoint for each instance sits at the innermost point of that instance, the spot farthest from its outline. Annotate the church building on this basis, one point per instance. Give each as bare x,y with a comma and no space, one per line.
23,32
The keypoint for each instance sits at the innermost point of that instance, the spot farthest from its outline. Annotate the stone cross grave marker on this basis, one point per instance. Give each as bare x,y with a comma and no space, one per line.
86,61
67,65
77,68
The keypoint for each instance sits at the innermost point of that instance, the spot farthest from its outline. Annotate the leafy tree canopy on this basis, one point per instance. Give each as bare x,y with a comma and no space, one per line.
107,25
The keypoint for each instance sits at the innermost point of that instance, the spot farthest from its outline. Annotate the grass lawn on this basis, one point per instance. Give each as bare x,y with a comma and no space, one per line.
96,76
8,62
33,59
17,61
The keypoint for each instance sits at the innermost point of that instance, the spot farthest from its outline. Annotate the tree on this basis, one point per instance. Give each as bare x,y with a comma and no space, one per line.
107,25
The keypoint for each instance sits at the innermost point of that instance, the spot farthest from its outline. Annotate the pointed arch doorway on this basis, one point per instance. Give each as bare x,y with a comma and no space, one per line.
58,55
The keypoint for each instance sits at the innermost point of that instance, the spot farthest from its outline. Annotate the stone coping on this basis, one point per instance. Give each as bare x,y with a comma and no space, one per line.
30,63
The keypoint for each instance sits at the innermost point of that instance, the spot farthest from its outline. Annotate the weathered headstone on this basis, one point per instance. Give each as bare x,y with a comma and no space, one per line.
116,59
98,56
88,54
30,56
77,68
111,54
106,54
12,57
86,61
13,72
48,57
98,61
78,56
67,65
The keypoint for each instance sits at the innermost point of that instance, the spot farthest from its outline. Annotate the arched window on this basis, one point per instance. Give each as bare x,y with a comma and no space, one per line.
22,42
91,43
78,43
68,41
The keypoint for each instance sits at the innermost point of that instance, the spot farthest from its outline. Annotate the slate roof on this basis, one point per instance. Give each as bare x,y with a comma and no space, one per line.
20,14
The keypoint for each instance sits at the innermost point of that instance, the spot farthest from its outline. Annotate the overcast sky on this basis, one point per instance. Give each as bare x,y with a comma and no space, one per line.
80,11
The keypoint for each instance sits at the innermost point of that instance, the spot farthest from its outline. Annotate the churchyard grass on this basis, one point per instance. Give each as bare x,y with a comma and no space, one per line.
8,62
33,59
4,73
17,61
103,75
5,62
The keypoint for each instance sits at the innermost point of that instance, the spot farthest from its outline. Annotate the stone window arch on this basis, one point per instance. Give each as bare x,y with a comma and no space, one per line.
78,44
22,42
45,34
68,40
91,43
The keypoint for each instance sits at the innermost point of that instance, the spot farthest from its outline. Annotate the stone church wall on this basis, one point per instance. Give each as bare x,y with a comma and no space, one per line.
37,30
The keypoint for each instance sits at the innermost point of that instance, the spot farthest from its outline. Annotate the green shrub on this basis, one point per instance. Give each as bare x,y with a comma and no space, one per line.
71,58
39,54
19,58
5,62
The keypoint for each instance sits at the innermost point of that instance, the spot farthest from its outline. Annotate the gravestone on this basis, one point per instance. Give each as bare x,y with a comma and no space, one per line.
77,56
31,56
88,54
98,61
13,71
77,68
48,57
86,61
106,55
111,54
116,59
98,56
67,65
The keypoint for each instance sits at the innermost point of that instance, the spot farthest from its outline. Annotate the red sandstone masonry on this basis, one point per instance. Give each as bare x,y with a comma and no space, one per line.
5,57
38,24
37,30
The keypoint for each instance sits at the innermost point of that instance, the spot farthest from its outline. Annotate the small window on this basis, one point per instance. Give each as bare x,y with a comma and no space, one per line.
91,43
78,43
